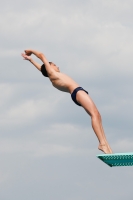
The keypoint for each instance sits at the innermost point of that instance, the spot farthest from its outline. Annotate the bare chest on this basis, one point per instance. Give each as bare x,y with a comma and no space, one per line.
64,83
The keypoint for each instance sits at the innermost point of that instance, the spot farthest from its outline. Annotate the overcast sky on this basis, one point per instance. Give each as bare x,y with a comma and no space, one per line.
47,146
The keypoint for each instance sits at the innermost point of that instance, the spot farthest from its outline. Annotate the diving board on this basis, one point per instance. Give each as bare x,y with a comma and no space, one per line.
117,159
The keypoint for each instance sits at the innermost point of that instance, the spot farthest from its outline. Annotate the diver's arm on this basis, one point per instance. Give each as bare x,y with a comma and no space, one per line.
37,65
41,56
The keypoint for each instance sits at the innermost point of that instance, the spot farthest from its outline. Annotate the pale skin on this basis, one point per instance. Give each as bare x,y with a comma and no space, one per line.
66,84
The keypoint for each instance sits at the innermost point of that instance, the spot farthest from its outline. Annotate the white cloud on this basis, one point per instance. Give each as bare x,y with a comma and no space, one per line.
123,146
37,149
53,141
6,92
5,176
17,110
26,112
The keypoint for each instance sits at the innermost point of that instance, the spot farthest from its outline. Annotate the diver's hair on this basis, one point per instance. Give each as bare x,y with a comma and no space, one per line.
43,70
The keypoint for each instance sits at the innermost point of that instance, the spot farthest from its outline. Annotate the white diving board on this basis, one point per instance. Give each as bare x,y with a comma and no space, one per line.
117,159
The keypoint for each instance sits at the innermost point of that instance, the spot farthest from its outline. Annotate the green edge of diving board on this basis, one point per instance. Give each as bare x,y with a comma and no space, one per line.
117,159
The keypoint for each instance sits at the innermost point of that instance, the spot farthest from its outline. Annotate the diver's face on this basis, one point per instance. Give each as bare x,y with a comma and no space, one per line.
54,67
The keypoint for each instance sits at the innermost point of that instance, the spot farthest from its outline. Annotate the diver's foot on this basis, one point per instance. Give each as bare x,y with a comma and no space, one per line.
110,148
105,148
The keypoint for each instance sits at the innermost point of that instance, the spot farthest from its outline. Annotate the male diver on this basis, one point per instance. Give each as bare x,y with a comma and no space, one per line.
79,95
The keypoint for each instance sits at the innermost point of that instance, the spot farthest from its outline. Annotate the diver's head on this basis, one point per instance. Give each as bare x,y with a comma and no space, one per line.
43,68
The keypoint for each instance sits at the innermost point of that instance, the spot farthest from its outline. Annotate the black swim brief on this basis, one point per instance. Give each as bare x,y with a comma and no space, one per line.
73,95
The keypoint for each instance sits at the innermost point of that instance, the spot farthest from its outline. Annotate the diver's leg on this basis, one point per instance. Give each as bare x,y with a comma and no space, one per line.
87,103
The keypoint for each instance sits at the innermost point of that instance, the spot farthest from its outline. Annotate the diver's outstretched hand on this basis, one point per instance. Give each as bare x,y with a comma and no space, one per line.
26,57
28,52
